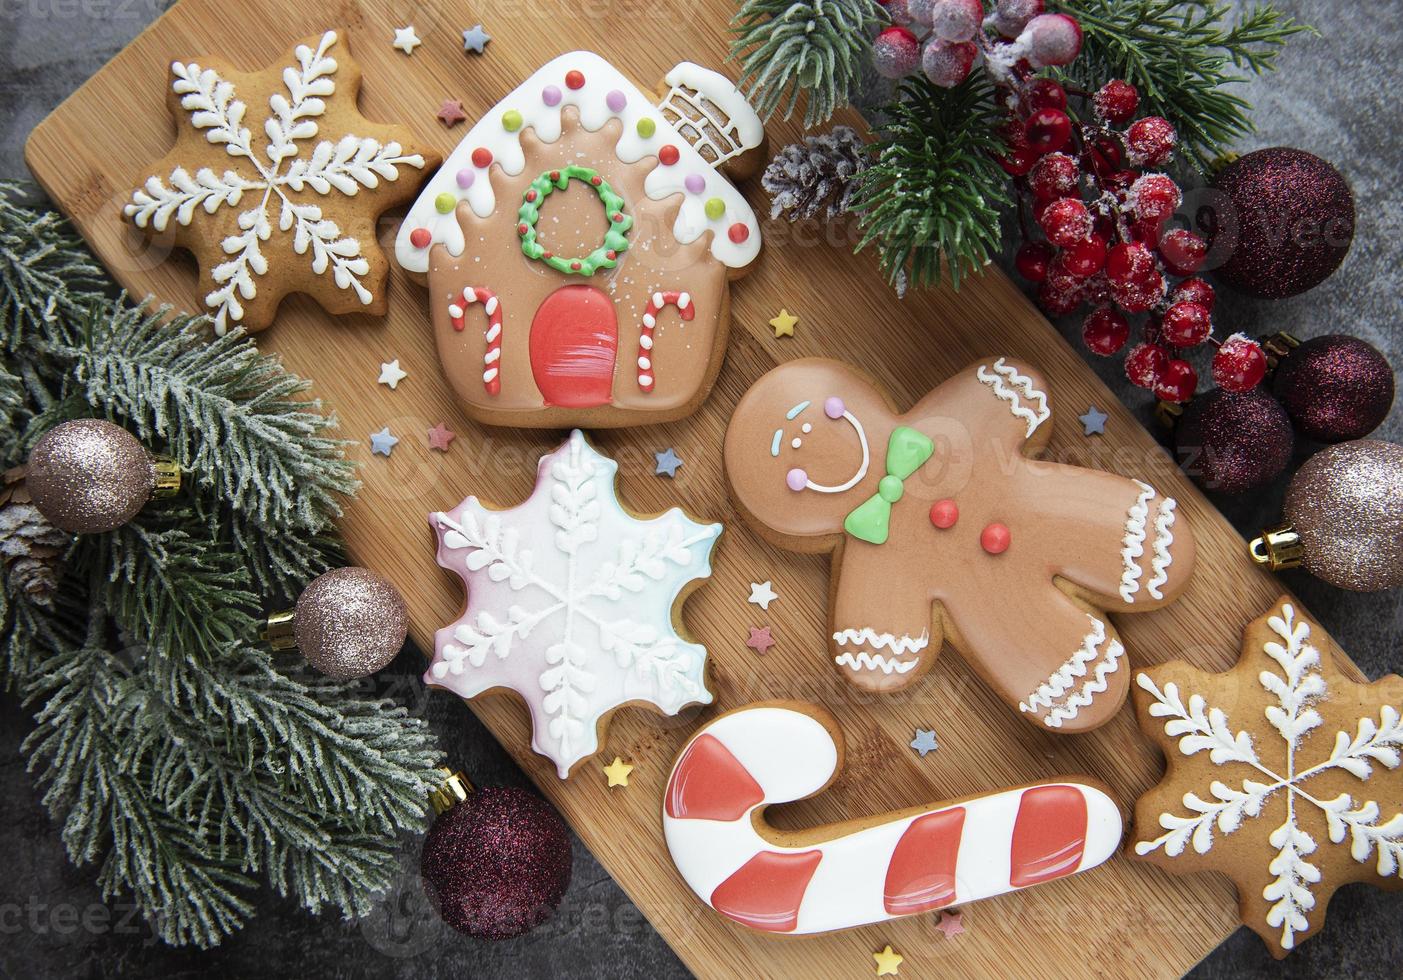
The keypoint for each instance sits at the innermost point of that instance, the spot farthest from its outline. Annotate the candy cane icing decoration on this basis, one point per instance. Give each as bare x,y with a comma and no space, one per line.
910,861
686,309
491,374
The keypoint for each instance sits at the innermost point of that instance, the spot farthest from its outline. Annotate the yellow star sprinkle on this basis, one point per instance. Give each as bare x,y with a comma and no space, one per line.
888,962
784,323
618,771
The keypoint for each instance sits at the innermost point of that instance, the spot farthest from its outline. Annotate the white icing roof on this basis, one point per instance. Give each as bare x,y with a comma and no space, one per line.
605,94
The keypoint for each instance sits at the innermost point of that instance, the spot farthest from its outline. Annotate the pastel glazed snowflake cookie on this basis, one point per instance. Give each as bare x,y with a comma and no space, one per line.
573,603
275,183
1282,774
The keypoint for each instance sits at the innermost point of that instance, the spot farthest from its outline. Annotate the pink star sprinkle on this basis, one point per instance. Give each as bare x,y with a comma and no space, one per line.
451,112
760,639
440,436
950,924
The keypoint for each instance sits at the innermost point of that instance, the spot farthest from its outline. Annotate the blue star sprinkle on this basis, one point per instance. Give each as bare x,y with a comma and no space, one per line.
1093,423
382,442
475,40
924,742
667,463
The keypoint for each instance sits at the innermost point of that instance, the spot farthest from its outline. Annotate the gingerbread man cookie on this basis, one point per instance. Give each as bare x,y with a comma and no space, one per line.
579,245
865,870
275,183
943,526
1283,775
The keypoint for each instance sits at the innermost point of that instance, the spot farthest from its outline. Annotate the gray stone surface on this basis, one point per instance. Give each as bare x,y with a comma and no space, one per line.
1335,95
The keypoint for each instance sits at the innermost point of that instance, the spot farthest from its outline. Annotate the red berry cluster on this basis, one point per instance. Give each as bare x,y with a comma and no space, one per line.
1109,243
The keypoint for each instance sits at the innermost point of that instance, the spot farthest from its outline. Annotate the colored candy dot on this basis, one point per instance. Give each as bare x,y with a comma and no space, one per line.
574,79
668,154
833,407
550,95
646,127
738,232
420,238
511,120
482,157
715,208
889,489
995,539
445,202
596,180
796,480
575,265
465,178
522,229
616,101
944,514
695,183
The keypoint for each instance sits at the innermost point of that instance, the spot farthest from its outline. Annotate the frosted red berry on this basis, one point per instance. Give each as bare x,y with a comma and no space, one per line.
1128,263
1055,175
1145,363
1240,364
1105,331
1116,101
1177,382
1052,39
1019,161
1011,16
1183,252
1154,197
1058,302
1065,222
1045,93
956,20
1194,290
1104,156
1150,141
1140,295
1186,324
1085,259
1033,259
1048,130
896,53
948,63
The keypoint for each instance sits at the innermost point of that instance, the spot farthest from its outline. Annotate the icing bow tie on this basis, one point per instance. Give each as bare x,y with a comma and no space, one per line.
907,451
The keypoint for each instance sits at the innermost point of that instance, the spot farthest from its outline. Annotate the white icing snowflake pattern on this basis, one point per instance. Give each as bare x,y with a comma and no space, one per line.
1296,685
342,166
570,603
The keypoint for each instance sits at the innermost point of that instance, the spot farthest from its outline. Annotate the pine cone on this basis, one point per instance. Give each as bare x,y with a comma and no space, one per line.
32,550
805,177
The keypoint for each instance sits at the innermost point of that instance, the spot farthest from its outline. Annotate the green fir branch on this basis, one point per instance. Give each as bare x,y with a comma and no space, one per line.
1184,56
931,200
790,47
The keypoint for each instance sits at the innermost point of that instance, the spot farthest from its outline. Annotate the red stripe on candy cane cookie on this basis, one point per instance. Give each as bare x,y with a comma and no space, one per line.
921,875
658,302
765,893
709,783
1049,835
491,358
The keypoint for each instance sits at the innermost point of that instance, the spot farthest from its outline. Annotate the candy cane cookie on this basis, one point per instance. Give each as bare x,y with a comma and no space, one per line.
865,870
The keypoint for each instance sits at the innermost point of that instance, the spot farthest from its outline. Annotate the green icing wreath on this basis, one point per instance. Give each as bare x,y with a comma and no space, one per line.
606,256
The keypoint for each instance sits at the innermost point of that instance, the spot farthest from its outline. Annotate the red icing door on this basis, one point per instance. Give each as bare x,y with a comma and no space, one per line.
574,342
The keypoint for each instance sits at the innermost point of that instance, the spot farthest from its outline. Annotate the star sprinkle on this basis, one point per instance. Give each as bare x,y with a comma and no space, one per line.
762,594
924,742
617,772
888,962
950,924
440,436
392,374
475,39
451,112
666,463
406,40
760,639
784,323
1093,423
382,442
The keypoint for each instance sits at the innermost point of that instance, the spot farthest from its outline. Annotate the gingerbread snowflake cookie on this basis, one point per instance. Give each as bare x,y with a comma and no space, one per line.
573,603
1283,775
942,526
579,245
275,184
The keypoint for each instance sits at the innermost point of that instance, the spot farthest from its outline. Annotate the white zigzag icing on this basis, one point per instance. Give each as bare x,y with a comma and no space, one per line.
874,661
1164,540
1133,544
1065,676
1021,384
869,637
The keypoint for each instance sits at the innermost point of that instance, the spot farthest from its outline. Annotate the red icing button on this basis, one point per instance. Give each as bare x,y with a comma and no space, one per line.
574,79
420,238
738,232
944,513
482,157
668,154
995,539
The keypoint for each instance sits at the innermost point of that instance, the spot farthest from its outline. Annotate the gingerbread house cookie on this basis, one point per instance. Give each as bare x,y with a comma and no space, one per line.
579,244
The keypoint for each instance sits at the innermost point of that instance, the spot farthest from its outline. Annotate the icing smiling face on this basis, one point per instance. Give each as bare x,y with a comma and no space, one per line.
941,528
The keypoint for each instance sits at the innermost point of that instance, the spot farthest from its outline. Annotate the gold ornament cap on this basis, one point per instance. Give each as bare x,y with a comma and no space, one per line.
167,476
277,631
1277,548
452,790
1278,347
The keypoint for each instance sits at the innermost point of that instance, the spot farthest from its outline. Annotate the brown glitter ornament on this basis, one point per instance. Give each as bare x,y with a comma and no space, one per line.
1344,518
89,476
1286,225
348,623
1230,442
1335,388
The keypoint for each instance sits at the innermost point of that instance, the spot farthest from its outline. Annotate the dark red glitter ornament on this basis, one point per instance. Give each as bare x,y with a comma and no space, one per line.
496,864
1233,442
1335,388
1286,226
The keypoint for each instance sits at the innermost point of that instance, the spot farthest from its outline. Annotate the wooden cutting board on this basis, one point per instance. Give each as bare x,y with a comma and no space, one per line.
1128,919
